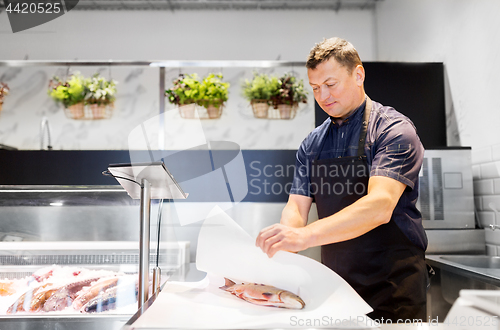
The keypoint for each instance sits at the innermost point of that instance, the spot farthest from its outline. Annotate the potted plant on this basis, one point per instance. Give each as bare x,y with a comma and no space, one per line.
259,91
290,93
69,93
4,91
184,93
100,96
212,94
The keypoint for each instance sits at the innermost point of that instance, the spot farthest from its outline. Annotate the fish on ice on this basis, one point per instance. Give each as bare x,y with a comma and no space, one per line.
33,299
264,295
93,291
125,292
65,295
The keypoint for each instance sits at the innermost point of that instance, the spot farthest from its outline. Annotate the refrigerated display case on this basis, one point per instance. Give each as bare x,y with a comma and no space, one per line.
54,237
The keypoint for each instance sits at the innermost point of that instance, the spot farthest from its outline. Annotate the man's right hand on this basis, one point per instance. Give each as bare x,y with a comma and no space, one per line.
290,234
281,237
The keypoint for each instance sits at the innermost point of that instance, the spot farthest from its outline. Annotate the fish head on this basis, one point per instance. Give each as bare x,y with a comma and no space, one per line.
291,300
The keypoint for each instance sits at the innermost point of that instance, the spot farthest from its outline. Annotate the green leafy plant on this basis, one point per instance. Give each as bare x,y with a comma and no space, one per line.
99,90
185,90
69,92
291,91
213,91
78,89
261,87
4,90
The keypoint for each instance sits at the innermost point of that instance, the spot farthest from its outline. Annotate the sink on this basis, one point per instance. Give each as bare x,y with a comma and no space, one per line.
479,261
457,272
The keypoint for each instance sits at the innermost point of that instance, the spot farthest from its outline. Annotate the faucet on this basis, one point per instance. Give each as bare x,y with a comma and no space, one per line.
44,126
493,208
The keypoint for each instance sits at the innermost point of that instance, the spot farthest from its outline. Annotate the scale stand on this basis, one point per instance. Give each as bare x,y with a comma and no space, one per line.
146,181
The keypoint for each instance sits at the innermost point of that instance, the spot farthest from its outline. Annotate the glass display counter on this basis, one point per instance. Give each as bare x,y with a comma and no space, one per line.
69,256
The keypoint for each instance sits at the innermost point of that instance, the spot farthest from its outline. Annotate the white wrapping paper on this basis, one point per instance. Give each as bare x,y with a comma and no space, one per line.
226,250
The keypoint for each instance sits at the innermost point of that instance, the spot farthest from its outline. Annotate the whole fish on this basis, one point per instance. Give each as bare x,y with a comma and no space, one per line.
32,300
40,298
122,294
42,275
91,292
264,295
65,295
6,288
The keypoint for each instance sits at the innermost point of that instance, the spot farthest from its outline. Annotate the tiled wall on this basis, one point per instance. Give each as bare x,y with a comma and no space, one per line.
486,175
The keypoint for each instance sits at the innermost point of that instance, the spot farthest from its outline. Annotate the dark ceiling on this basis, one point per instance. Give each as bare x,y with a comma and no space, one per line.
334,5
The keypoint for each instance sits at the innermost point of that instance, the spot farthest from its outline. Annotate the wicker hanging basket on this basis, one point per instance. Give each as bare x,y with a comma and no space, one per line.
283,111
260,108
287,111
101,111
75,111
89,111
206,110
187,110
213,111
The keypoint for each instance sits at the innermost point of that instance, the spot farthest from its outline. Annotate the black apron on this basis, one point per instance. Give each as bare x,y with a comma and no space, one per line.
386,269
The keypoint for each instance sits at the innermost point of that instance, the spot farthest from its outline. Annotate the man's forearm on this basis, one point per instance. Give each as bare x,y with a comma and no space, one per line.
354,220
360,217
296,211
351,222
291,217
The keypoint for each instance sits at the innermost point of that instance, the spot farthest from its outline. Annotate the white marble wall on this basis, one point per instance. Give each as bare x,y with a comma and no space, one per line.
138,100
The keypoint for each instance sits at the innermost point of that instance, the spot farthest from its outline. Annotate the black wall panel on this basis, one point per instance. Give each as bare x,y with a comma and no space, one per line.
269,173
414,89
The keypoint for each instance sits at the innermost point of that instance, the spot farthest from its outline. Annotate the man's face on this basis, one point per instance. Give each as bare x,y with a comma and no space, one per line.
337,92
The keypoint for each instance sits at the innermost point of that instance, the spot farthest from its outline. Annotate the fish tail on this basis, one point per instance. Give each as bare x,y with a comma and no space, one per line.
228,284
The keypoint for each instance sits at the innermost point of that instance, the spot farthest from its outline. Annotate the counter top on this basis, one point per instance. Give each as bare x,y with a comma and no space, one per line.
482,267
191,274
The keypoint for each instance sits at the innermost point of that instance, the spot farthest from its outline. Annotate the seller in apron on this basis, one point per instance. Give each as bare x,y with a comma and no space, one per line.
361,168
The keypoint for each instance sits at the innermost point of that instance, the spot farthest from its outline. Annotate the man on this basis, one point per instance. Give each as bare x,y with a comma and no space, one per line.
361,168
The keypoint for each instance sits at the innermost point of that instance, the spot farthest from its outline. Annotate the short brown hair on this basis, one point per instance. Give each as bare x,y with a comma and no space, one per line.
341,50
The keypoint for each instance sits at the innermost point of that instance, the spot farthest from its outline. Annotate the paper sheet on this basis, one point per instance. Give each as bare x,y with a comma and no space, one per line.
226,250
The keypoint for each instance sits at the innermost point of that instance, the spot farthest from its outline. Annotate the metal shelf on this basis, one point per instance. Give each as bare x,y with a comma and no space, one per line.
159,64
226,64
28,63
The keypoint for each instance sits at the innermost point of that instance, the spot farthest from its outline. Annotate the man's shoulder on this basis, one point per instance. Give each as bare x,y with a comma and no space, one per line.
384,116
387,125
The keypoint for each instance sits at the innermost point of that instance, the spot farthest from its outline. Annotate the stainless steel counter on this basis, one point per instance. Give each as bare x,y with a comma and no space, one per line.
73,322
480,267
456,241
458,272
